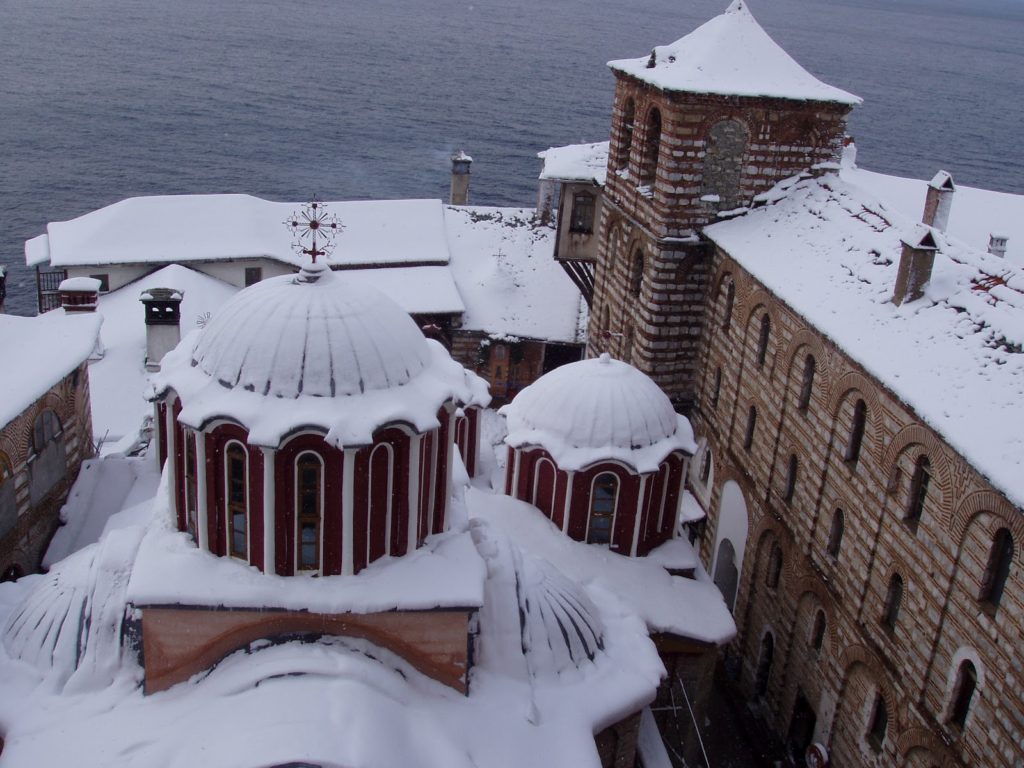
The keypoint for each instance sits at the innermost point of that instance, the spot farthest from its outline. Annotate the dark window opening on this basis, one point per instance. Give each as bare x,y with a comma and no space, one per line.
705,467
253,275
879,724
308,503
237,500
602,508
716,391
730,299
807,385
860,413
774,567
104,282
652,148
790,489
918,491
997,571
762,342
582,219
764,666
818,632
626,139
636,274
967,681
893,600
748,438
835,536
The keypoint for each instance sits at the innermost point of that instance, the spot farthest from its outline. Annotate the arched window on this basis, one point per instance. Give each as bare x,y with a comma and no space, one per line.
726,573
774,567
636,273
807,385
380,515
582,219
652,148
997,571
8,503
626,138
717,390
860,414
236,485
730,299
47,461
790,488
963,692
878,725
544,486
893,600
918,490
764,665
835,536
705,466
191,494
762,341
748,437
818,631
309,505
603,496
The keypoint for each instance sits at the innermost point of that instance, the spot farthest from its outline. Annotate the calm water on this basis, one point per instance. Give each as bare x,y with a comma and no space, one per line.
104,99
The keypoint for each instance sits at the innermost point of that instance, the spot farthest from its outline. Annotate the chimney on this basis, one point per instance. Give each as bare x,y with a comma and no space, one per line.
938,201
996,246
79,294
460,178
163,323
916,263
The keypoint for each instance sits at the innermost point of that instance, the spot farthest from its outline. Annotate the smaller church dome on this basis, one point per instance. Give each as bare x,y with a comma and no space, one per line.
596,410
311,334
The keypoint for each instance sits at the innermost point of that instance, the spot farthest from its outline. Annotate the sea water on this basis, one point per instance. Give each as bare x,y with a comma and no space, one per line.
106,99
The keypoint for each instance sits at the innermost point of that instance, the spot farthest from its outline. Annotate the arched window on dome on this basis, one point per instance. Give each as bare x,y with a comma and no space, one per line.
236,487
309,511
381,512
604,493
544,486
8,503
191,492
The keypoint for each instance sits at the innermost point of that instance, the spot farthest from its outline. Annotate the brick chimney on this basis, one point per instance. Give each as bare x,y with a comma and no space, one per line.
916,263
938,201
163,323
79,294
997,245
459,194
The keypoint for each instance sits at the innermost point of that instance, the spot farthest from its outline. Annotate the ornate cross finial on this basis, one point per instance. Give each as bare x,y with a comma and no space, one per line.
311,222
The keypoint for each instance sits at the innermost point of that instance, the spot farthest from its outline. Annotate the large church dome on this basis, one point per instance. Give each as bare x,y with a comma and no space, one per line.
595,410
311,334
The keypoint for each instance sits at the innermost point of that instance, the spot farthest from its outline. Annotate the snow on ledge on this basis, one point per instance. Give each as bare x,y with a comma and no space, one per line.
576,162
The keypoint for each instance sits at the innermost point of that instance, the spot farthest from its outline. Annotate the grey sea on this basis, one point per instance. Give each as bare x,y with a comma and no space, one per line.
106,99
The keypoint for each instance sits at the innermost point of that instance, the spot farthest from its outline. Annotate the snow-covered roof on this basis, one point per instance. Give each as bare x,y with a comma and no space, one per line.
576,162
80,284
975,213
184,228
502,262
831,250
598,410
37,352
731,55
314,350
421,290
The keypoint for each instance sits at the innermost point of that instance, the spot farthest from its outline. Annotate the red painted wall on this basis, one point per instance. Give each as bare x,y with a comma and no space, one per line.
216,505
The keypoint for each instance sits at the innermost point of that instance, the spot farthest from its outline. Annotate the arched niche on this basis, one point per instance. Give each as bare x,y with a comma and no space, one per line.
730,541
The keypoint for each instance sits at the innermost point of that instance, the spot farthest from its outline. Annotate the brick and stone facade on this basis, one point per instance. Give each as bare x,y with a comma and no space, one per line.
37,468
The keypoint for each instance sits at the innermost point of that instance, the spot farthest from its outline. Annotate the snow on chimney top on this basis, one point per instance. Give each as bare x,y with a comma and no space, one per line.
916,263
938,200
997,245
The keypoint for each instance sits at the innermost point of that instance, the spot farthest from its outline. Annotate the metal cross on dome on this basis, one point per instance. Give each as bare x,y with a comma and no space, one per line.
313,221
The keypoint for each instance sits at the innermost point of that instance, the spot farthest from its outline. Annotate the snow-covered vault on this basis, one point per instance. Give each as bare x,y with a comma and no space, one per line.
70,627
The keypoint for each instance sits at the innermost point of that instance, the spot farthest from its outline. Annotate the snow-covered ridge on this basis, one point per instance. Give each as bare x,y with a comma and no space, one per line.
731,55
831,251
576,162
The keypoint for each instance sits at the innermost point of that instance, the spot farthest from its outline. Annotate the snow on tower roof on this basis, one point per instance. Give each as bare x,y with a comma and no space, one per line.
37,352
576,162
831,251
314,350
731,55
598,410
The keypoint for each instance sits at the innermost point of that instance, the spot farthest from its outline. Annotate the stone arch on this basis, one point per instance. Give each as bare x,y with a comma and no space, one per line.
50,401
792,358
733,521
756,298
993,503
859,655
917,434
839,393
923,739
810,584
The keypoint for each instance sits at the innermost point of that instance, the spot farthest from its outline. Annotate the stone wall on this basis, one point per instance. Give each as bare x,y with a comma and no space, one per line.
23,545
788,574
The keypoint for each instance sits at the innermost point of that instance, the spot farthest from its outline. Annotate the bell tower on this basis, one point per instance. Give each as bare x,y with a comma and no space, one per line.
700,128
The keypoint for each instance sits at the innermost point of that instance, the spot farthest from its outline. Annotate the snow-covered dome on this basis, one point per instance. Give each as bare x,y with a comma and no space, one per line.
597,410
311,334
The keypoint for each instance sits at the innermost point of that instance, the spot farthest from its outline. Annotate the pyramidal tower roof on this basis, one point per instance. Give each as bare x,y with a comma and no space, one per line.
731,55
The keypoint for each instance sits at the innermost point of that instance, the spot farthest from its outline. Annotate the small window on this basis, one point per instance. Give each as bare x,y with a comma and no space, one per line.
652,148
497,372
764,666
705,467
966,683
582,219
253,275
716,391
997,571
626,139
818,631
807,385
918,491
308,510
602,508
636,273
104,279
762,341
893,601
835,536
730,299
235,475
191,494
879,724
748,438
790,488
774,567
860,413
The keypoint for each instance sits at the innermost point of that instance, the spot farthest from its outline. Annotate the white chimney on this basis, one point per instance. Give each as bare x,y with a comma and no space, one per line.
997,245
163,323
938,201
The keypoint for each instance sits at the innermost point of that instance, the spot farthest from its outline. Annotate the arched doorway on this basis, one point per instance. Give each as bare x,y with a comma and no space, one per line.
730,542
